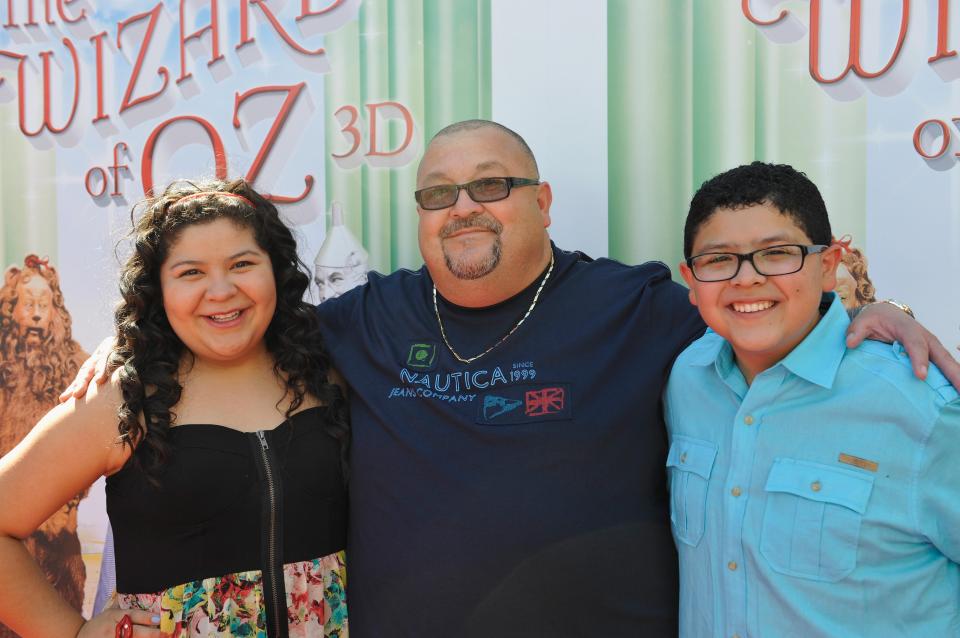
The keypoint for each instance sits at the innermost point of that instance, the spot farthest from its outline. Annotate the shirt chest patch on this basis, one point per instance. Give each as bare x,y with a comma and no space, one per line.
422,355
525,403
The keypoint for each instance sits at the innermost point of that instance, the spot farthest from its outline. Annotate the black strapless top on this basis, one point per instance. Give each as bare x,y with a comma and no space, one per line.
209,515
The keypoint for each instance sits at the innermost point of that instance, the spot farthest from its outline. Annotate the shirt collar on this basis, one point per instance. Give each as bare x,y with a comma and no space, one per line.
816,359
818,356
708,349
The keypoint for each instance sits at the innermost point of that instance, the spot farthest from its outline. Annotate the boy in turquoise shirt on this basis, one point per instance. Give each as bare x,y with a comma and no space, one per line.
815,490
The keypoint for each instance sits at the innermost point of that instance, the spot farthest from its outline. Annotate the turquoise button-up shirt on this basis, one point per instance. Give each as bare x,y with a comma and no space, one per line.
821,500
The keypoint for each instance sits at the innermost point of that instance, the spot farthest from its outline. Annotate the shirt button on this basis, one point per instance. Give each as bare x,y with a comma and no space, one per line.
748,420
736,635
815,486
683,457
736,491
732,566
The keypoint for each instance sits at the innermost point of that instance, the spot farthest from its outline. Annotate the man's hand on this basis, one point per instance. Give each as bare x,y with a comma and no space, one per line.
94,368
884,322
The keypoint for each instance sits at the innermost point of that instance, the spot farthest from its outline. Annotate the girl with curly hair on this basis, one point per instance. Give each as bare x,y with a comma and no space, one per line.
222,436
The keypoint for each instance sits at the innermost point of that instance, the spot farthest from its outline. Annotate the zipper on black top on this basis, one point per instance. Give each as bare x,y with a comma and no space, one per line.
274,594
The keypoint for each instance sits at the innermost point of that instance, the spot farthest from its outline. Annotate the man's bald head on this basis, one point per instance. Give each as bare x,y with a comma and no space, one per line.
474,125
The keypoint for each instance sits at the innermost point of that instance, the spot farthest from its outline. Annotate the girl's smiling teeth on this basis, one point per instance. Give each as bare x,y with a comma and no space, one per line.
755,306
226,316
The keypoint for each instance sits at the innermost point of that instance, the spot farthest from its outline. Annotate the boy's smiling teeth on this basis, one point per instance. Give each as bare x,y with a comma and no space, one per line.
230,316
755,306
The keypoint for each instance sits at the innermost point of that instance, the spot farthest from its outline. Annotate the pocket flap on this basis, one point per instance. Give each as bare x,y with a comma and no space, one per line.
692,455
818,482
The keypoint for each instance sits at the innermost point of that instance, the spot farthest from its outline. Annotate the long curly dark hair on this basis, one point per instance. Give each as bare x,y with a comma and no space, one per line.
148,351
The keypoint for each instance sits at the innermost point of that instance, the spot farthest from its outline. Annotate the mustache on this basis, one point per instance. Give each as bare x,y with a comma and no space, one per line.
478,220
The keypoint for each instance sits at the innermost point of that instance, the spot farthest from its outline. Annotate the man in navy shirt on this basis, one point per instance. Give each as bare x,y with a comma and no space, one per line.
507,468
507,463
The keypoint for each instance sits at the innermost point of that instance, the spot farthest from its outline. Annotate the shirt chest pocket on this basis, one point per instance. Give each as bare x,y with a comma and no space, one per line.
811,520
689,464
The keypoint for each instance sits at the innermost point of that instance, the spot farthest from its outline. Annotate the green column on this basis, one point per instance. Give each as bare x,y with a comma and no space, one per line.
374,88
406,87
28,195
649,137
456,80
724,80
341,87
484,64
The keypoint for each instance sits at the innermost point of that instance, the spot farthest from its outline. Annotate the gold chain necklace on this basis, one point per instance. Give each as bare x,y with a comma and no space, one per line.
443,333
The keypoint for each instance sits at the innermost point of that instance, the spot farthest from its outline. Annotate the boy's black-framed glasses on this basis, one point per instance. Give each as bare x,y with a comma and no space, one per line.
486,189
771,261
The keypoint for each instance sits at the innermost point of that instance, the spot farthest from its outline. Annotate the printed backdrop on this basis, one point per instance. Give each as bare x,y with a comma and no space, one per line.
628,104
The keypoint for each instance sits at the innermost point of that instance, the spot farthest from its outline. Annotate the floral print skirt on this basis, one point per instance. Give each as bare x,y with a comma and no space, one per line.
233,605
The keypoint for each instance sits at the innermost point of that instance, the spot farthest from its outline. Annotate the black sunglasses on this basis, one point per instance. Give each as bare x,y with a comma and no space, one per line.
486,189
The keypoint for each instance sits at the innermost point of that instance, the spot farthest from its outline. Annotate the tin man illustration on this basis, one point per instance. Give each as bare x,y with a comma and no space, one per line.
341,262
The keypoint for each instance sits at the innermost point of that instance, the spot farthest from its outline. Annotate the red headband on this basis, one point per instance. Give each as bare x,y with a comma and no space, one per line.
33,261
217,193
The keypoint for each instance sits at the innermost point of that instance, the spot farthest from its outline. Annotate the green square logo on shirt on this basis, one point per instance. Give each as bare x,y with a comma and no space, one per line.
422,355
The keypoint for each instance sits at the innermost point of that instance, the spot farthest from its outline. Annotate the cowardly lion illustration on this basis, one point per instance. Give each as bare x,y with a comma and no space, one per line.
38,358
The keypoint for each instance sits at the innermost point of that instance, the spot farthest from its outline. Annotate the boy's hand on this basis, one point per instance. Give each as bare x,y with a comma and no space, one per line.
884,322
94,368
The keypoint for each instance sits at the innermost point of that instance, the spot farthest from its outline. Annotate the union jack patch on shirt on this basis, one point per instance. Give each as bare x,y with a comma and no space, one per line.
525,403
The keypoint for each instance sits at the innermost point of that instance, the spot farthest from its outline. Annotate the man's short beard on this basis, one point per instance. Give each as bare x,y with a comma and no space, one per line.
462,268
467,269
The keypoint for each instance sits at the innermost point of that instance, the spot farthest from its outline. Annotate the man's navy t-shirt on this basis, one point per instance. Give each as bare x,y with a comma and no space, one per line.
522,494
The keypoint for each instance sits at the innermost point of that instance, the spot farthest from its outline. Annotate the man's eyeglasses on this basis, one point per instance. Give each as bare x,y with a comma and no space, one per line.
769,262
487,189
